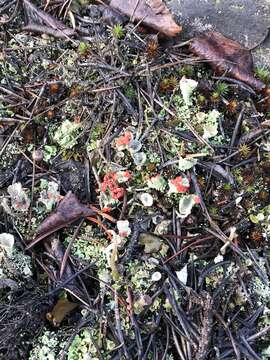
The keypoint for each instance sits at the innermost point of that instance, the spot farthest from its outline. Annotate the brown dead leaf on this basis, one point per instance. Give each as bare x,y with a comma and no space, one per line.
68,211
61,309
153,14
39,21
226,55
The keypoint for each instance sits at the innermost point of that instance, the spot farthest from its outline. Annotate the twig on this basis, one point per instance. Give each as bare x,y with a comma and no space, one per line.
119,327
68,249
42,29
68,280
236,129
32,195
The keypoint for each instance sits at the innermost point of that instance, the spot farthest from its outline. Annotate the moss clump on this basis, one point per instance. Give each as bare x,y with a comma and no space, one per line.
263,73
118,31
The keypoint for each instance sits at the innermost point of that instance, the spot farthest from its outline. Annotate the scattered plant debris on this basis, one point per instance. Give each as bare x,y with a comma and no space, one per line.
134,187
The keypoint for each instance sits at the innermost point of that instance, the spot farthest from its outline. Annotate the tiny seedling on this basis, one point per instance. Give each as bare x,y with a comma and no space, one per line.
118,31
263,73
222,89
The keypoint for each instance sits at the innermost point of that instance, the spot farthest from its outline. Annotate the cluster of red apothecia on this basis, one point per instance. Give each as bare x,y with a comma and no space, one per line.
111,184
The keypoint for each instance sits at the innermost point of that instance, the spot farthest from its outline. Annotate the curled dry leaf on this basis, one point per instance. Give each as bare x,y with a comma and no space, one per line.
226,55
68,211
61,309
37,20
152,13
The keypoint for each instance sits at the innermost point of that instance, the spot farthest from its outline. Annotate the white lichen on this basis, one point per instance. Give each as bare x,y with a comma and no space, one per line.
187,86
19,198
66,135
47,347
6,244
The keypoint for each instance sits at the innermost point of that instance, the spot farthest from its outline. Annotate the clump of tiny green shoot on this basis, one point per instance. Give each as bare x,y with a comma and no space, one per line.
118,31
222,89
244,150
83,49
130,92
263,73
187,70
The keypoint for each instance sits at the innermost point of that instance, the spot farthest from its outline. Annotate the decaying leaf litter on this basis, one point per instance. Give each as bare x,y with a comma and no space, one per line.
134,187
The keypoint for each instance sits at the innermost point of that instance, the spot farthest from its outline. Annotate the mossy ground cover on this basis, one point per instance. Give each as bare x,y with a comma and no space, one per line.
178,160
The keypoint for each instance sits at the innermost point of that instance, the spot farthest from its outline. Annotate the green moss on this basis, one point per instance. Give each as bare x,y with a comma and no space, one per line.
95,137
130,92
83,48
227,187
187,70
118,31
263,73
222,88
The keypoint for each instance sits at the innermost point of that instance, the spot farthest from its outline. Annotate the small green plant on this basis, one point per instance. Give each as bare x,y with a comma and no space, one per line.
222,89
227,187
187,70
244,150
215,97
201,99
118,31
263,73
213,210
95,137
130,92
83,49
